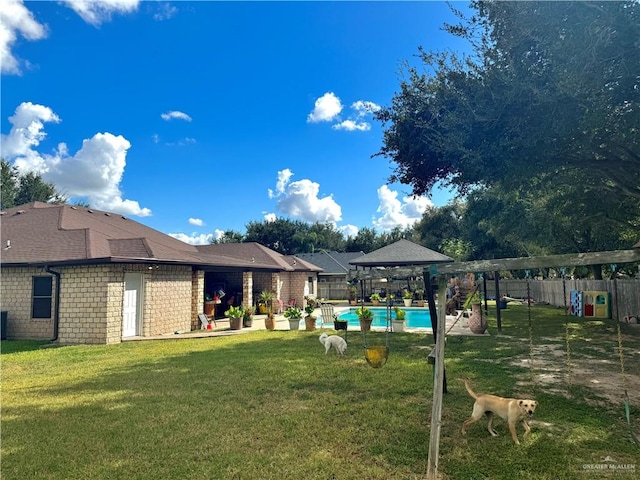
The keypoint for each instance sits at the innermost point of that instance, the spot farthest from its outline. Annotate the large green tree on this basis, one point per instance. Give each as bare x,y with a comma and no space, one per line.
548,97
293,236
19,189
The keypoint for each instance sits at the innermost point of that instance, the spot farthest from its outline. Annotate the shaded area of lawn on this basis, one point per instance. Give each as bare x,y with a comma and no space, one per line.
272,405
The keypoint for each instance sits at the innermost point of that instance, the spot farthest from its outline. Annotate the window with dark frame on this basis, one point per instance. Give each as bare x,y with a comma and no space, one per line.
42,297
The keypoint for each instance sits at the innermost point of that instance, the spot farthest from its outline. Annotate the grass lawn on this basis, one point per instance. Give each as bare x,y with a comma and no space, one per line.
271,405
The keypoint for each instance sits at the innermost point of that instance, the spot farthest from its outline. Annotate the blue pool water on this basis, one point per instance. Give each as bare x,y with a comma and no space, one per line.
415,317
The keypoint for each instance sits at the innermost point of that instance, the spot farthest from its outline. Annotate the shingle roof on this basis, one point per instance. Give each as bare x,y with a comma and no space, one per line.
258,255
332,263
41,233
401,253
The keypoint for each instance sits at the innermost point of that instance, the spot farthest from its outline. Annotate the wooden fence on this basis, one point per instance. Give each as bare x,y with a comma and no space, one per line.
624,293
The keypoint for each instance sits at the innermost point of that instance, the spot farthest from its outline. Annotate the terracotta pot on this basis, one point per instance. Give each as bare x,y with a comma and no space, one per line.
477,323
209,307
365,325
309,323
270,322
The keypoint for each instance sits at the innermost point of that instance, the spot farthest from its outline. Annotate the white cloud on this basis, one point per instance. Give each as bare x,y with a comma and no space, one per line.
97,12
396,213
165,11
94,172
349,230
16,19
27,129
182,142
196,221
327,108
365,107
300,200
270,217
194,239
175,114
350,126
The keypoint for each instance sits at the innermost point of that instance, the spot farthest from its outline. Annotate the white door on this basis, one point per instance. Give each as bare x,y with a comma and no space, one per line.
132,301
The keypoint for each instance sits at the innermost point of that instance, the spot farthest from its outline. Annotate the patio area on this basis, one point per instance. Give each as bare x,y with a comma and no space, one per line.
456,325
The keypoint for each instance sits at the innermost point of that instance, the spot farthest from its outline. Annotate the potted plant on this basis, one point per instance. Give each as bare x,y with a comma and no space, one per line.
310,320
365,315
477,323
398,320
247,317
375,299
407,297
339,324
265,301
270,321
351,293
420,297
294,315
235,315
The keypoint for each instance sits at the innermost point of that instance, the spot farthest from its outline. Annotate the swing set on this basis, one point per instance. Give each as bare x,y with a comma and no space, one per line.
494,265
626,400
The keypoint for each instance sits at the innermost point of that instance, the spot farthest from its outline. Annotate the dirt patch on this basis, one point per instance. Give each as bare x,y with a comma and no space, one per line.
596,367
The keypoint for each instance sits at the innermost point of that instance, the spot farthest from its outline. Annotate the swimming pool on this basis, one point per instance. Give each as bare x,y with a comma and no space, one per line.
415,318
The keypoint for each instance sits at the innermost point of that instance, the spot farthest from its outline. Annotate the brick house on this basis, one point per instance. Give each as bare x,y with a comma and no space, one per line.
78,275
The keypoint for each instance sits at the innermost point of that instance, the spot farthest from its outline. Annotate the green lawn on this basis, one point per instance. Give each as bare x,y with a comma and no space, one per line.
271,405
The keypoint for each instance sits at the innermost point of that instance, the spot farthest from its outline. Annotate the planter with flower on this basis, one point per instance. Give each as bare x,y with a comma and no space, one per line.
265,301
365,316
235,315
247,317
309,319
420,297
351,294
407,297
477,323
375,299
398,321
270,320
294,315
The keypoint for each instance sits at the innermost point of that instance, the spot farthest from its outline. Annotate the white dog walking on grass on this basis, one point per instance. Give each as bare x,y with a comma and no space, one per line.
333,341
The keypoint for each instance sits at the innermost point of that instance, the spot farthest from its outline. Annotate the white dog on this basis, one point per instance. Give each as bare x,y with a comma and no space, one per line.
333,341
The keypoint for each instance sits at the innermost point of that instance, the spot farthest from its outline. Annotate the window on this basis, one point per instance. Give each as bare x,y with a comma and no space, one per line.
310,282
41,304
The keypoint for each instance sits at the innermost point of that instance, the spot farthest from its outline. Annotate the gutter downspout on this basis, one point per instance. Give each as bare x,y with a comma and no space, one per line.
56,312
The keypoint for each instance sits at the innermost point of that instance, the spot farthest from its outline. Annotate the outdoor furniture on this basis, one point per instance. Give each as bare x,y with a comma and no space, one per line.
327,313
204,320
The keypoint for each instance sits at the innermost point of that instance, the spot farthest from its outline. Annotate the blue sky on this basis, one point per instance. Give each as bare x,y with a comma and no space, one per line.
199,117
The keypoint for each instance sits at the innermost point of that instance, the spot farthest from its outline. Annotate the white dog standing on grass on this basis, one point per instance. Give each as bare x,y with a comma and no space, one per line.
333,341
